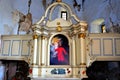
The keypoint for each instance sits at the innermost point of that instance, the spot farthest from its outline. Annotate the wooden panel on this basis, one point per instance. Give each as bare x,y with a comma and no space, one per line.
25,47
6,47
117,46
15,47
96,47
107,47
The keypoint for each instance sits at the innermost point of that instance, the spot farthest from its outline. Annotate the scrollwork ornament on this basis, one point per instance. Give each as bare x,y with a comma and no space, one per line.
28,59
91,60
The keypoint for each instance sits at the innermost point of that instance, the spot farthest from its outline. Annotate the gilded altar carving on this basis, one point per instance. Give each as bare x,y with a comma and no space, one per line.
82,35
35,36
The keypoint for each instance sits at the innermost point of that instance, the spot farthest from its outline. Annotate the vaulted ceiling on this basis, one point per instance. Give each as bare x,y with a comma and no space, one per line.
90,10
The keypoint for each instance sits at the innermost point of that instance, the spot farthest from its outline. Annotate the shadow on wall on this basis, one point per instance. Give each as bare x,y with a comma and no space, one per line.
104,70
14,70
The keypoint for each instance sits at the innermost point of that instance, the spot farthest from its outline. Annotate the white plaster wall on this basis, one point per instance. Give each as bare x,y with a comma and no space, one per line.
7,26
95,9
5,16
92,10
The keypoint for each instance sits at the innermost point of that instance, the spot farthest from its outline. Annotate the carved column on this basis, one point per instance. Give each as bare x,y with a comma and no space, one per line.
82,40
35,38
82,48
40,51
82,55
44,50
73,52
74,57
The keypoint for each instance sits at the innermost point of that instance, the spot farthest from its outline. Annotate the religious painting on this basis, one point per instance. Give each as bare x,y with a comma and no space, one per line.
59,50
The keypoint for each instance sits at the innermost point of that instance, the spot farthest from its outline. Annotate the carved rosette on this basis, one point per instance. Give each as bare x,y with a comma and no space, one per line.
59,28
83,73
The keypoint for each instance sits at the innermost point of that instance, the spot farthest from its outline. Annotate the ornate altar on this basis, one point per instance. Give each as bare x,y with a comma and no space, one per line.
59,44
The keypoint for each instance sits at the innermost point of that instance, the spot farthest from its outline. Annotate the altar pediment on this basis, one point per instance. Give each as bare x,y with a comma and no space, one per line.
60,21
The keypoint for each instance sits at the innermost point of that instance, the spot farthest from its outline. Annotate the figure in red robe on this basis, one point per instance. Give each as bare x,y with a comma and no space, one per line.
60,53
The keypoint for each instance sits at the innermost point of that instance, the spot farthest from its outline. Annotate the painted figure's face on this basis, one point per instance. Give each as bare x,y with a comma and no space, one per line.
56,44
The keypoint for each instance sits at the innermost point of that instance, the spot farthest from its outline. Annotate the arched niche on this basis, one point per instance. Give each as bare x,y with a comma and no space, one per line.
59,50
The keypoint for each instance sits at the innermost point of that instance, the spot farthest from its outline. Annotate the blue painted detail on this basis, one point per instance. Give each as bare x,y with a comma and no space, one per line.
58,71
54,71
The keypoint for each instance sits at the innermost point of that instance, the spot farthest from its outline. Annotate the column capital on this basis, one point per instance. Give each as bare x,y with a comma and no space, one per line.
35,36
82,35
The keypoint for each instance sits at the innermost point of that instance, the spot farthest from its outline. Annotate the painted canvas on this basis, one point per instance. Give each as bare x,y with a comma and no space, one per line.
59,50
